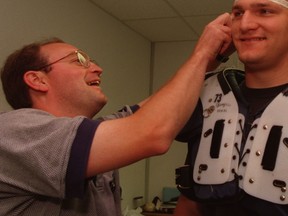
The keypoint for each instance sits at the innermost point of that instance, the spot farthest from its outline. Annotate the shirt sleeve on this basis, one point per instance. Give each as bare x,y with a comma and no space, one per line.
76,170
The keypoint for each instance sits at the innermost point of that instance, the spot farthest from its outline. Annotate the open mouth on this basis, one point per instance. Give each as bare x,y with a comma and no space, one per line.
94,83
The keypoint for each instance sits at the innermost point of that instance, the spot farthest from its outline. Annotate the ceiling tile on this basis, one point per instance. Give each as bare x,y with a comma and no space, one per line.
203,7
136,9
199,22
169,29
165,20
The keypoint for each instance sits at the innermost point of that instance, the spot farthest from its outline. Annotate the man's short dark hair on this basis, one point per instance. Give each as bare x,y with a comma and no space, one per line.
16,65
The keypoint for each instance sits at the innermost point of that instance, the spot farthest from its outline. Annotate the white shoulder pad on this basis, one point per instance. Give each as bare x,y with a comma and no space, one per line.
265,168
214,160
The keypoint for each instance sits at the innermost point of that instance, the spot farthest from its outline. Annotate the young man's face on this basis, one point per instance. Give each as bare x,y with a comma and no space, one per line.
260,31
72,84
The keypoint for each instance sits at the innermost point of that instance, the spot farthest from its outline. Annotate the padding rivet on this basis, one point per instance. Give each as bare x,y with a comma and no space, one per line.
222,171
265,127
251,181
283,189
230,121
258,153
207,112
226,145
282,198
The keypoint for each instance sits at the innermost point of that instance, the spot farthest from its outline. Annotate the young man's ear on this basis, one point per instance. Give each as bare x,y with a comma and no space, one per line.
36,80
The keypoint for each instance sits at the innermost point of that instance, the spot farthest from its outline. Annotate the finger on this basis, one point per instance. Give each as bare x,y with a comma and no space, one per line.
223,19
227,46
215,37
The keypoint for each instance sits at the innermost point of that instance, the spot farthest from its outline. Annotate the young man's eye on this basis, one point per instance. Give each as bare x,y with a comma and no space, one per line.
264,11
236,14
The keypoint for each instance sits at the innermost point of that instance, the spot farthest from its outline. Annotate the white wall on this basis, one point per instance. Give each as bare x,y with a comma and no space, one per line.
168,57
124,55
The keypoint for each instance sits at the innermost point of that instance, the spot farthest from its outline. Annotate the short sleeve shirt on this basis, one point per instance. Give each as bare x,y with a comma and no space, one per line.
43,162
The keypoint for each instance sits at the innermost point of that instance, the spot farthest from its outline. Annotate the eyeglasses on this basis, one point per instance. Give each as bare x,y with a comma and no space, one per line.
82,58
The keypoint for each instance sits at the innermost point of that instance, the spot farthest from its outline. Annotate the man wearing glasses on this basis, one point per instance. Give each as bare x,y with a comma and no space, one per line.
56,160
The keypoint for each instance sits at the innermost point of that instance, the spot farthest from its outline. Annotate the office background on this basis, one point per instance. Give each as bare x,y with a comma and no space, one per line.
136,60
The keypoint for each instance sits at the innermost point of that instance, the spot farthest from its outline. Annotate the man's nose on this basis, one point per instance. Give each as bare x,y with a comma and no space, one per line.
248,22
96,68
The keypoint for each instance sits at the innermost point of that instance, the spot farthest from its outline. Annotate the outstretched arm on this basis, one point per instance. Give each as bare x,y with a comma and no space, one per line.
151,130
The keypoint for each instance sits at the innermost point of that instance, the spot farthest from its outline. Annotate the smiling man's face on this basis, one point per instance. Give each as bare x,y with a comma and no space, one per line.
71,84
259,30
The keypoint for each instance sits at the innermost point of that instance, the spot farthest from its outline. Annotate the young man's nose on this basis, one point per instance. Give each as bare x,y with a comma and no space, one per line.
248,22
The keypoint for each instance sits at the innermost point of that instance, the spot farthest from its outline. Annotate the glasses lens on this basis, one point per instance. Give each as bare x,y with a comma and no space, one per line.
83,59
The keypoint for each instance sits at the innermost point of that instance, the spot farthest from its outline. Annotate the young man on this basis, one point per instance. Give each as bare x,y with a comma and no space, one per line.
56,160
237,157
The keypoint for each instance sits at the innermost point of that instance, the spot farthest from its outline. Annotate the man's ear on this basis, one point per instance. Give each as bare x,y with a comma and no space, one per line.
36,80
